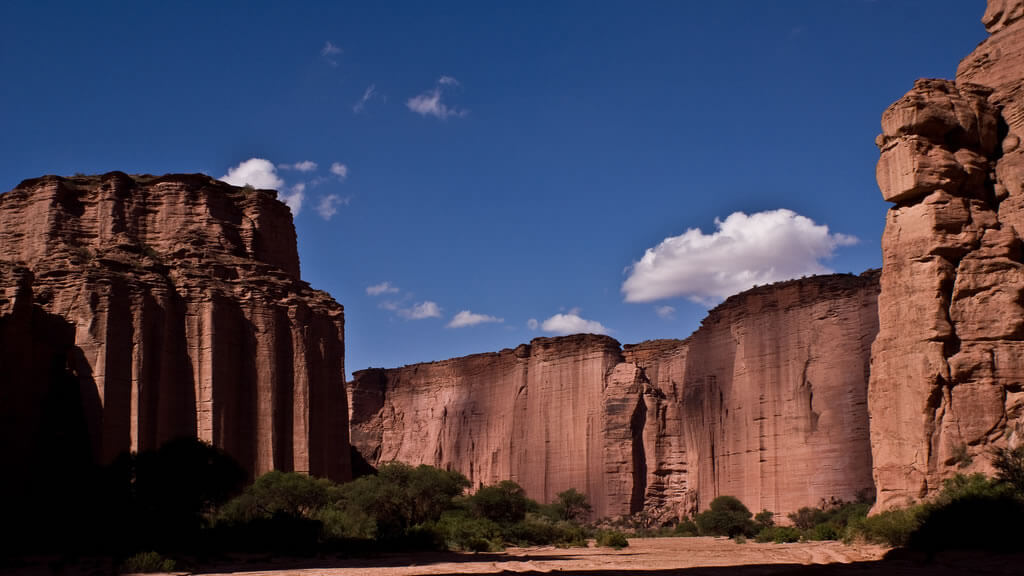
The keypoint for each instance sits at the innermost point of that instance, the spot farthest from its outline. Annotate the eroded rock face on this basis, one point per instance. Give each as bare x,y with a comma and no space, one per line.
946,375
175,305
766,401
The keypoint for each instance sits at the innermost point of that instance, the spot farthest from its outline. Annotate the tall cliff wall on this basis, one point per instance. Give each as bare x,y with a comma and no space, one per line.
948,364
165,306
766,401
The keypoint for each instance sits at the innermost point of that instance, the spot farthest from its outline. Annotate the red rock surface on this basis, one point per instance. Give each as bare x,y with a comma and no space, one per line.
766,401
175,306
946,367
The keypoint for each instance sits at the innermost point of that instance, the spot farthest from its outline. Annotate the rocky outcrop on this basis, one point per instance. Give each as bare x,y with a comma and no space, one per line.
775,394
946,374
766,401
157,307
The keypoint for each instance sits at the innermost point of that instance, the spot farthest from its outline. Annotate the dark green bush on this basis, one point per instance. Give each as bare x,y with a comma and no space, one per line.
612,539
504,502
1009,465
807,517
765,519
686,527
145,562
727,516
462,531
571,506
537,529
892,527
779,534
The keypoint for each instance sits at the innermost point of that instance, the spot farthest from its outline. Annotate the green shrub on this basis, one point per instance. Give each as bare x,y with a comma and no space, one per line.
571,505
612,539
537,529
727,516
778,534
740,539
144,562
765,519
1009,465
504,502
686,527
826,531
807,517
461,531
892,527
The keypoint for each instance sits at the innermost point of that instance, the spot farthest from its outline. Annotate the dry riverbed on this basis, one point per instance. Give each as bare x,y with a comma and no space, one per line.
645,557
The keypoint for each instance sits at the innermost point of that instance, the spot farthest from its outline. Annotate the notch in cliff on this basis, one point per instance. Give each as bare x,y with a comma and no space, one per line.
162,306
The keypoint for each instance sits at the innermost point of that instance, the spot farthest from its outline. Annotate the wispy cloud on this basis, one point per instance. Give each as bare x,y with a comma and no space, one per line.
328,205
429,103
666,312
382,288
293,197
745,250
304,166
329,52
421,311
369,94
466,318
532,324
340,170
261,173
572,323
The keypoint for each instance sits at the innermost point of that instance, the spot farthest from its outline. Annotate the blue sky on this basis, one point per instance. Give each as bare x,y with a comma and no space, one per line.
487,172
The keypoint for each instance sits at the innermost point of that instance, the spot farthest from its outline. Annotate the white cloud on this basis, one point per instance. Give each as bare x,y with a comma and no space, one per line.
255,172
420,311
293,197
467,318
304,166
744,251
667,312
368,95
429,103
382,288
340,170
532,324
328,205
571,323
330,49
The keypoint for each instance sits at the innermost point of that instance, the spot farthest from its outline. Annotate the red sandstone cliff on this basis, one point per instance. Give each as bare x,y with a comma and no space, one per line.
947,368
153,307
766,401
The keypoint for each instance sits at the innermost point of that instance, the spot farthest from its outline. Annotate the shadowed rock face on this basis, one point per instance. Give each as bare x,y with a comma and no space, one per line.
766,401
947,368
175,305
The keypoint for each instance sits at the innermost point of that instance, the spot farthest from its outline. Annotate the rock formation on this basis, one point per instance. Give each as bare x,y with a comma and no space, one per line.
135,309
947,366
766,401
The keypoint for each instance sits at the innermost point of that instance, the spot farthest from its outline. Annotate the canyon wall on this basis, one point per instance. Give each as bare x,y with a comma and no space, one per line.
766,401
137,309
947,373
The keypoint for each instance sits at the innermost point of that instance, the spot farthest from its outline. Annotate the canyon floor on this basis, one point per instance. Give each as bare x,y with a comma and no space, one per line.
649,557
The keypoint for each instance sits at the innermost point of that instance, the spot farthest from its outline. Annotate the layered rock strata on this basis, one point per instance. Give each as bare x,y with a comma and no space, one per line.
947,369
766,401
167,306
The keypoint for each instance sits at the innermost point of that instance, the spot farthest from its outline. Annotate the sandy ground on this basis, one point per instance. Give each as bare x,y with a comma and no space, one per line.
648,557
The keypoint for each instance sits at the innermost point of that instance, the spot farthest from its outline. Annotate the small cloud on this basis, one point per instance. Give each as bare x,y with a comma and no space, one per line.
304,166
389,305
330,49
340,170
467,318
328,205
429,103
368,94
744,251
571,323
255,172
420,311
293,197
666,312
382,288
532,324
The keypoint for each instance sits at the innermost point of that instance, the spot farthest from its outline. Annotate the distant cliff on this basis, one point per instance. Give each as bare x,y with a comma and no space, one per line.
134,309
766,401
948,365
